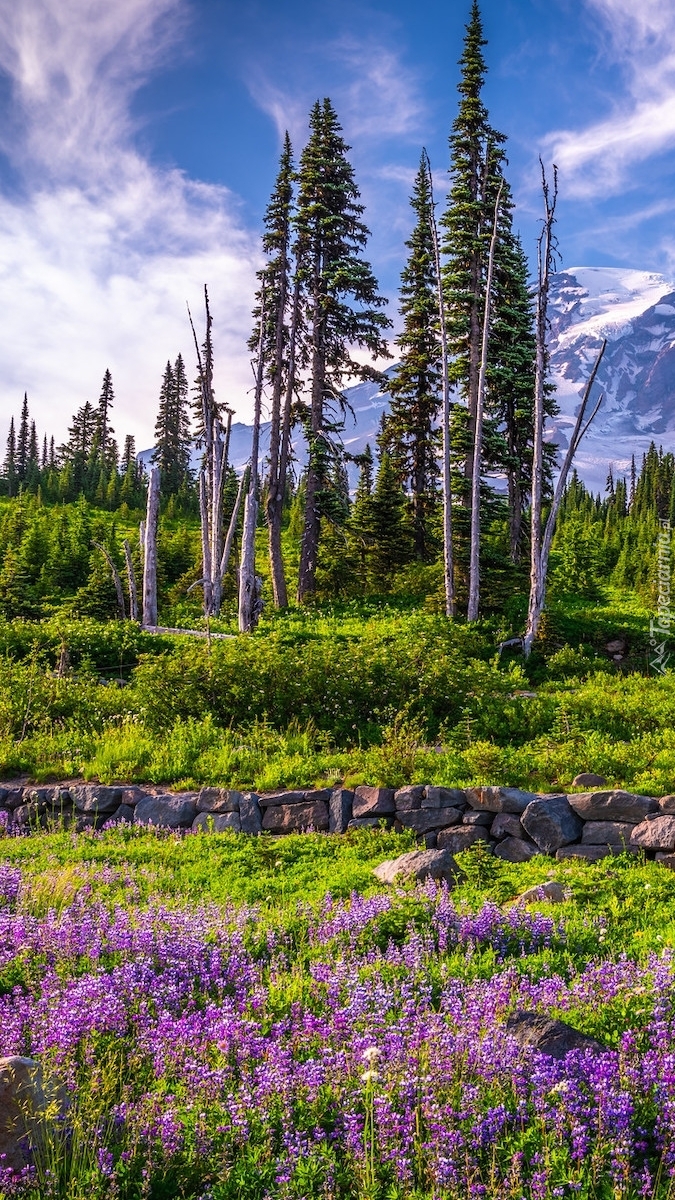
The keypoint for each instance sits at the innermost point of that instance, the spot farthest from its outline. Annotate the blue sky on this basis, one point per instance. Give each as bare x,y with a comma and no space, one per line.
139,141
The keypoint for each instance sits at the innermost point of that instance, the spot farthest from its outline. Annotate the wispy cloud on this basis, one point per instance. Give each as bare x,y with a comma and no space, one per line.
101,251
639,38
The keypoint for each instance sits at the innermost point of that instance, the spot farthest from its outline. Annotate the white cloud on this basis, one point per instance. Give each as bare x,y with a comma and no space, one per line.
600,159
100,253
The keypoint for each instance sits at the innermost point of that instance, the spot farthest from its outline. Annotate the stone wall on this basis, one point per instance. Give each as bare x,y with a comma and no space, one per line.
514,824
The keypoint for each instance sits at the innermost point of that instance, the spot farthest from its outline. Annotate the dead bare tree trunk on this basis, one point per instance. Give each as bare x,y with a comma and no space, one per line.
247,576
116,579
211,475
131,580
474,551
448,562
538,592
150,555
232,527
279,467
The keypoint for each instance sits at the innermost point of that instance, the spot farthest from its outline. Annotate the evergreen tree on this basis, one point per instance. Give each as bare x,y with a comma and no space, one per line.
409,434
9,466
45,454
103,426
172,430
361,517
78,451
390,535
23,442
340,306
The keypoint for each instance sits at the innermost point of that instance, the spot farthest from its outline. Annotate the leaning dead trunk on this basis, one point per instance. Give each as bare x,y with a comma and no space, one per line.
131,580
247,576
474,552
538,594
116,578
150,555
448,563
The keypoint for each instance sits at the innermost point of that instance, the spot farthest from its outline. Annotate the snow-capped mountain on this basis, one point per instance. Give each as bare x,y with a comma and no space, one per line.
634,310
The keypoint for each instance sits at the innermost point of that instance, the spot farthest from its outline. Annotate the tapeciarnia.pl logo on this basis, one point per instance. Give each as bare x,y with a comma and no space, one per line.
659,627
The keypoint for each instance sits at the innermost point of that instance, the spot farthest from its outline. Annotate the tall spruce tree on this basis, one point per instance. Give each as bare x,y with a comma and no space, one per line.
410,436
340,308
23,441
278,345
172,430
103,427
9,465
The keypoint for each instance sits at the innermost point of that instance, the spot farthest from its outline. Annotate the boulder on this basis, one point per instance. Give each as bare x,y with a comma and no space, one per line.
474,816
218,800
249,813
607,833
131,795
14,798
295,818
589,779
373,802
551,891
217,822
418,865
409,799
429,818
167,811
315,794
124,815
656,834
551,823
499,799
515,850
51,797
591,853
667,804
548,1036
94,798
506,825
612,806
272,798
443,797
460,838
21,1097
30,816
340,810
84,821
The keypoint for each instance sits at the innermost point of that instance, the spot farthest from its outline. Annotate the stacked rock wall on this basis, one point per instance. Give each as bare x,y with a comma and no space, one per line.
513,824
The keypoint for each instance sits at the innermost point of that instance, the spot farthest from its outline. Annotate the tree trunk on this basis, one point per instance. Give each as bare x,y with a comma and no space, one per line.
448,561
131,579
247,578
310,534
279,470
116,579
232,527
150,556
474,551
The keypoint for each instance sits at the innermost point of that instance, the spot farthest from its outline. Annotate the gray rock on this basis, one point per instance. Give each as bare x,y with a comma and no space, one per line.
373,802
553,892
607,833
218,800
589,780
506,825
430,840
83,821
548,1036
409,799
613,806
94,798
249,813
51,797
14,798
30,816
551,823
443,797
666,860
167,811
590,853
460,838
667,804
429,818
418,865
217,822
340,810
656,834
21,1102
474,816
131,795
295,818
499,799
124,815
272,798
515,850
315,794
369,823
